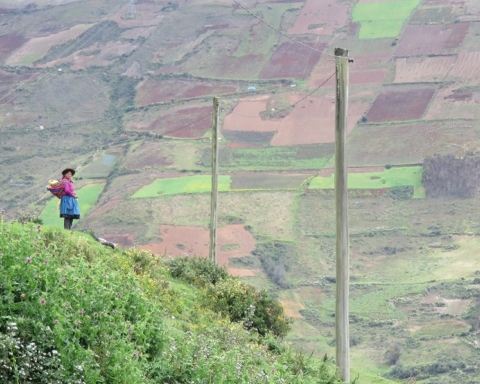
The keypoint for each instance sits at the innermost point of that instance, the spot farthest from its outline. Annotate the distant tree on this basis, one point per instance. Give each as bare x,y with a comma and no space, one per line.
447,175
392,355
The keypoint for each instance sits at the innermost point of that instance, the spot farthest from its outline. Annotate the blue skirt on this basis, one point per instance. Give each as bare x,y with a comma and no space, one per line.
69,208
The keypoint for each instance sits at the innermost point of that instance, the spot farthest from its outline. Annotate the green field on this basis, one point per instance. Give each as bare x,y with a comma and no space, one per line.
269,158
182,185
87,197
380,20
393,177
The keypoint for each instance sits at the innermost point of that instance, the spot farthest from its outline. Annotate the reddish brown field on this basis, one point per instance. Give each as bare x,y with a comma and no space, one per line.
292,60
152,91
41,45
398,104
194,241
423,69
246,116
431,39
313,121
467,66
191,122
451,103
321,17
9,43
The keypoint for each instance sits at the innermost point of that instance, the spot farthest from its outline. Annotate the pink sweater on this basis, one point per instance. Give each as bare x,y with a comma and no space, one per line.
68,189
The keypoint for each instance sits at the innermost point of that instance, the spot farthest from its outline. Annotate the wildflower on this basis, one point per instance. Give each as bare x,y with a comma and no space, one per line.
42,301
55,321
29,259
135,354
81,312
130,330
119,294
46,261
64,281
22,296
95,314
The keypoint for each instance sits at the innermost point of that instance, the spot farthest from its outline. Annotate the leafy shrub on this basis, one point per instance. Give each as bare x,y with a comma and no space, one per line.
196,270
255,310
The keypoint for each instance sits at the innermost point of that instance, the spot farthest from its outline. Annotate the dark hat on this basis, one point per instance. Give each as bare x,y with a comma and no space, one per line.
68,170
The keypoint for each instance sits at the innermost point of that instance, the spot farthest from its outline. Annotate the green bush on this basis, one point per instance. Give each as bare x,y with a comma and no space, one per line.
65,317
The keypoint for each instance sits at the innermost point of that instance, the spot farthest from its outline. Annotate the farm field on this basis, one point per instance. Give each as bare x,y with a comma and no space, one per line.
382,19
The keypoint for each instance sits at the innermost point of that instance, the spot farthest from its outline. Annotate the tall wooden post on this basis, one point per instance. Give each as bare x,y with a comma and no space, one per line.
214,196
341,202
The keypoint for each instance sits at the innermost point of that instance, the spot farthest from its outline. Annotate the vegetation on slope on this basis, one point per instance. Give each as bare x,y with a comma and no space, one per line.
76,312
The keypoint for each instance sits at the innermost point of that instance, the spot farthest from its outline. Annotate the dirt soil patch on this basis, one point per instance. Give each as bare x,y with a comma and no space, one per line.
423,69
246,116
313,121
451,306
292,308
320,17
451,101
373,145
267,181
40,46
194,241
124,240
292,60
192,122
398,104
431,39
466,66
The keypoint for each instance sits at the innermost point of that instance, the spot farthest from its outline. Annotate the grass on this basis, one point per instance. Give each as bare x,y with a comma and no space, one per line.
382,19
270,158
182,185
87,197
393,177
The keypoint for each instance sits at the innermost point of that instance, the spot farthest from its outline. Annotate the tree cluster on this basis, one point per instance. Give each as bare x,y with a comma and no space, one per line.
447,175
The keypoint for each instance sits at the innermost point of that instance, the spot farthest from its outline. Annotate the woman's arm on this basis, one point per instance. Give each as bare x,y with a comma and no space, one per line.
69,190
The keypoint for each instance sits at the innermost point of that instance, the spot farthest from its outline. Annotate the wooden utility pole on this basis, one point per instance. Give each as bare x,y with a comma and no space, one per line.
214,196
341,202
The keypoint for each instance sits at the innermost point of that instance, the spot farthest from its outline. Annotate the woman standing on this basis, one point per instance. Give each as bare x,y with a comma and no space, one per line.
69,209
